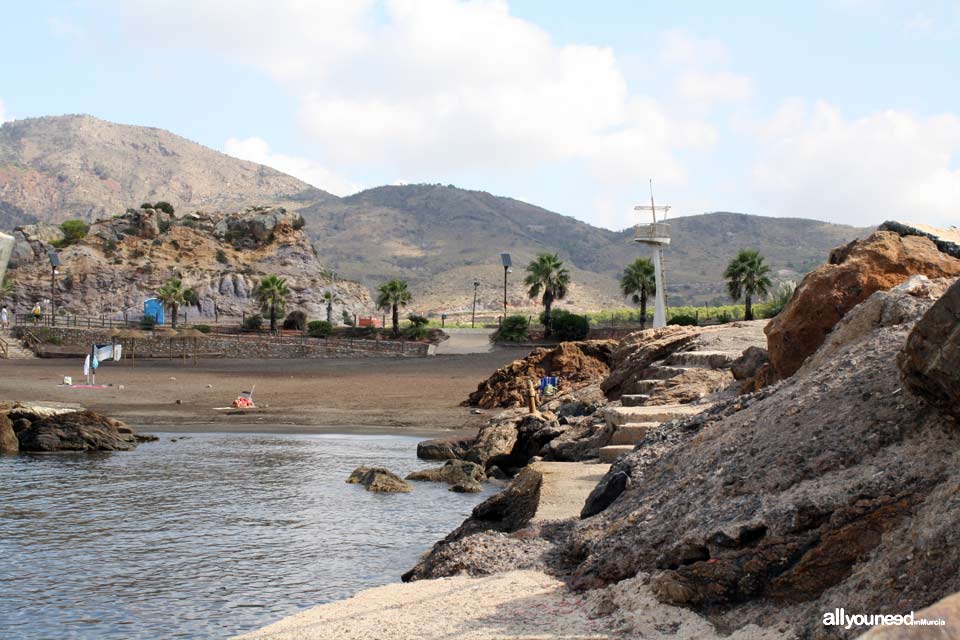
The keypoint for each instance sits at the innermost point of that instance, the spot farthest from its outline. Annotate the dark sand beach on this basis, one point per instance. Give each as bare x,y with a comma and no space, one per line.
357,395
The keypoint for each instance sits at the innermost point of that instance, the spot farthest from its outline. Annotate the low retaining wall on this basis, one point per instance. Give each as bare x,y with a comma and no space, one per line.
151,345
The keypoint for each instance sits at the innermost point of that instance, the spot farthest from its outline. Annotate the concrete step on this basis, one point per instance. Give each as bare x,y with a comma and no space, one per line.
617,416
659,371
702,359
634,400
645,387
632,433
15,349
611,453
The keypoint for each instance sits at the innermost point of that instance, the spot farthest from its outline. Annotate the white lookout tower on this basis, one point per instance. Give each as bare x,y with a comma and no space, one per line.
656,234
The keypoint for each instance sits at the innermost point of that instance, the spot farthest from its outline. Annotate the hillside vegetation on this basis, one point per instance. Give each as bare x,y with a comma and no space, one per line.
439,238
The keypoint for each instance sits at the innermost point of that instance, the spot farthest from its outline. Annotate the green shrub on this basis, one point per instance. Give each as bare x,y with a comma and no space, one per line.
346,318
166,207
568,326
222,256
253,323
74,231
418,327
778,300
109,247
683,319
147,322
319,328
146,205
202,328
295,320
163,226
514,329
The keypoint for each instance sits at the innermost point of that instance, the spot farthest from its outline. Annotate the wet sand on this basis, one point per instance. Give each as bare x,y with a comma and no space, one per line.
359,395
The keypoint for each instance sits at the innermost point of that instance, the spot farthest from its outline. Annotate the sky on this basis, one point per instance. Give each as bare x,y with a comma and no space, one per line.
839,110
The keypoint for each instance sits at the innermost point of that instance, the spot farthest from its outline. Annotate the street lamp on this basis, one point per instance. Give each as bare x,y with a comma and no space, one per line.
54,263
505,259
473,319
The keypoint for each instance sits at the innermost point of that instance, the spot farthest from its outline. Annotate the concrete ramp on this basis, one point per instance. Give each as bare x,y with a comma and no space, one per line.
463,341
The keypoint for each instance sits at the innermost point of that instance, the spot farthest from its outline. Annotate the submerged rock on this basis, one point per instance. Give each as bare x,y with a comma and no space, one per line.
379,479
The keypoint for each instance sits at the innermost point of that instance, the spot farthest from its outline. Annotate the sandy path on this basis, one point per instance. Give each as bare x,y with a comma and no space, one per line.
416,394
565,488
518,605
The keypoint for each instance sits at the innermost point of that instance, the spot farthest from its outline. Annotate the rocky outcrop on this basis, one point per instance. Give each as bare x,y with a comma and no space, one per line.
455,472
379,479
222,257
635,353
579,439
451,448
72,431
576,363
930,361
853,274
861,507
508,511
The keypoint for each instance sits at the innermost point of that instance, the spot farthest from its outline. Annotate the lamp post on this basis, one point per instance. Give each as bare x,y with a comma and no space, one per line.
473,318
54,263
505,259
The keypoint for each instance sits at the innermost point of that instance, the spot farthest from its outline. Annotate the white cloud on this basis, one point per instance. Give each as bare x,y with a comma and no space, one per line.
682,48
4,116
919,23
257,150
815,163
414,87
709,87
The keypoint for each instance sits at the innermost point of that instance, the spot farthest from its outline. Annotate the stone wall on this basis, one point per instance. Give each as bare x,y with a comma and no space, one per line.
151,345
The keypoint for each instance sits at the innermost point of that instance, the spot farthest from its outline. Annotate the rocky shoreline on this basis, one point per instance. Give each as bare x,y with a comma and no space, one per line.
816,473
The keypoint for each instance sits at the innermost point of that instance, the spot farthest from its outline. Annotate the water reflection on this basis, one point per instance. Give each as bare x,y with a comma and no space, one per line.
207,536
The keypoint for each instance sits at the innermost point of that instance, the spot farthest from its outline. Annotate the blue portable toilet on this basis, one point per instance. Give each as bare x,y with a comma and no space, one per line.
153,308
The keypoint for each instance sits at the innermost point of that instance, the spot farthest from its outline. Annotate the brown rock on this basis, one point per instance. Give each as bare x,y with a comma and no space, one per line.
451,448
689,386
641,349
455,472
574,362
747,365
379,479
8,438
494,444
74,431
854,273
930,361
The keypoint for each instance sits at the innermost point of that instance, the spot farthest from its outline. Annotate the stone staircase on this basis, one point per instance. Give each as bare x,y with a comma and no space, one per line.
634,418
15,349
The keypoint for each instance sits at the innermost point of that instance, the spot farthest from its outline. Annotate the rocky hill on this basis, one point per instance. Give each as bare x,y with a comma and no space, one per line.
127,258
440,238
78,166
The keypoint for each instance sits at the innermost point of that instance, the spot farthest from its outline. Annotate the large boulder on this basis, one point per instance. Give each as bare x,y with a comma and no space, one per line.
581,440
73,431
577,363
379,479
930,361
506,512
853,274
749,363
450,448
256,226
494,445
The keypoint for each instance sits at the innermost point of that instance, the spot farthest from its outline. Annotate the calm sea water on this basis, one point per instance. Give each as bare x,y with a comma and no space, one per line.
205,537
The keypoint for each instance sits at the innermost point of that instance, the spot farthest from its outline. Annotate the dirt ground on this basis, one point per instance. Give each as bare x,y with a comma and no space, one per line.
418,395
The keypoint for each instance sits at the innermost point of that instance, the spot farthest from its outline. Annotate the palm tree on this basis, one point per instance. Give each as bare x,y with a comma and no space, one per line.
638,282
172,296
546,274
393,295
747,277
331,298
272,294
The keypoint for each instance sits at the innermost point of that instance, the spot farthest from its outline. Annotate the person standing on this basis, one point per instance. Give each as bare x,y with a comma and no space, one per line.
36,313
4,319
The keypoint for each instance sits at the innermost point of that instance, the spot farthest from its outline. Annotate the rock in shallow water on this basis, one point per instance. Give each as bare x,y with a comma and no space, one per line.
74,431
455,472
379,479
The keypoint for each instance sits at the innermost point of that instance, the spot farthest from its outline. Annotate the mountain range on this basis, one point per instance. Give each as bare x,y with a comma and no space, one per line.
441,239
